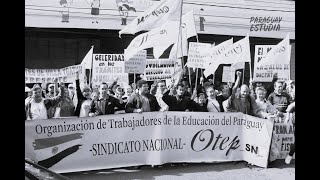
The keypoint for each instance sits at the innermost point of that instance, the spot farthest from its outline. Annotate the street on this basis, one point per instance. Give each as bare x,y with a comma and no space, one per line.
201,171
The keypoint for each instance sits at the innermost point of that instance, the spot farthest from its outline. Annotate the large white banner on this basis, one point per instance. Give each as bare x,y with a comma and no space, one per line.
217,50
161,37
155,16
151,138
158,69
65,75
107,68
265,73
237,52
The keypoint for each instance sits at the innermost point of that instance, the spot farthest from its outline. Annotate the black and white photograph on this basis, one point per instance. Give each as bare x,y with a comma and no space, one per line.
159,89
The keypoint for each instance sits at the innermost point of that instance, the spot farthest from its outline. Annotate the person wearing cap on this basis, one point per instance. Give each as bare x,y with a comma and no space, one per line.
37,106
51,88
84,99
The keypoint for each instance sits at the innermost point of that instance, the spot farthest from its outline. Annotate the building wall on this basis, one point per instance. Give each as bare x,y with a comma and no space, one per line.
57,48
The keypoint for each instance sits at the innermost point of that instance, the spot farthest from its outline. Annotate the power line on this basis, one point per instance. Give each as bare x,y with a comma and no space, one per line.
243,4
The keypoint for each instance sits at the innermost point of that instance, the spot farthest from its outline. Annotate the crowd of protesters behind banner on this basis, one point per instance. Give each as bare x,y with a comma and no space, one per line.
256,99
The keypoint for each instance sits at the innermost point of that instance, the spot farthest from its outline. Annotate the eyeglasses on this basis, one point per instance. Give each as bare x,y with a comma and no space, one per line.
70,87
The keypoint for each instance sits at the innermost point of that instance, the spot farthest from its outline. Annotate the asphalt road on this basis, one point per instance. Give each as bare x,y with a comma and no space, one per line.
196,171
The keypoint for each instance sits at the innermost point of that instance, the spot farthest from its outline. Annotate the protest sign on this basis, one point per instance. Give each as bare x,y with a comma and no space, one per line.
226,74
265,72
149,138
107,68
284,136
136,64
198,54
65,75
159,69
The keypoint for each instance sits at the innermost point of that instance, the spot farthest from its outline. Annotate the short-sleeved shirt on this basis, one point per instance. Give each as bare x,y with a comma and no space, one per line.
38,110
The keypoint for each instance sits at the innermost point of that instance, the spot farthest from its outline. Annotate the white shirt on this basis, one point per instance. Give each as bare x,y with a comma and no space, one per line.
162,104
85,107
38,110
213,105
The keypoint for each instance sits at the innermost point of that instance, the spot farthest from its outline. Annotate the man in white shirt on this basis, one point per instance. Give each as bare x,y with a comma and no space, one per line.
37,106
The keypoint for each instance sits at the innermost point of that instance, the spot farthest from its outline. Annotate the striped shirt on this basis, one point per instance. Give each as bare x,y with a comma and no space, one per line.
280,101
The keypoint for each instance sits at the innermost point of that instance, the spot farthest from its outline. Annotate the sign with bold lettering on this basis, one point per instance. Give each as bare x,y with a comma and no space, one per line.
107,68
136,64
284,137
149,138
65,75
159,69
198,54
266,72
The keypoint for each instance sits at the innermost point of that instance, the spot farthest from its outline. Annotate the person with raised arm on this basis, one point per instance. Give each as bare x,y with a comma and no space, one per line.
37,106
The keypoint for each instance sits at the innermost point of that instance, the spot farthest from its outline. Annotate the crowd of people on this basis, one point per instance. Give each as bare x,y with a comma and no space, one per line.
256,99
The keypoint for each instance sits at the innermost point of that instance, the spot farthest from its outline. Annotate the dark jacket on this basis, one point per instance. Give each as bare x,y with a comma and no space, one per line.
134,102
80,97
179,105
111,103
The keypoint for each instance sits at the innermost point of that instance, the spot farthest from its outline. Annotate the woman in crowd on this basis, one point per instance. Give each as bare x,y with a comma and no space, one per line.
213,105
266,107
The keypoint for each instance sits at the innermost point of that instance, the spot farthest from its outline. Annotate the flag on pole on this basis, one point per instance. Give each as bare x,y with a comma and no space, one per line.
156,16
188,30
238,52
280,52
87,60
279,56
216,51
159,37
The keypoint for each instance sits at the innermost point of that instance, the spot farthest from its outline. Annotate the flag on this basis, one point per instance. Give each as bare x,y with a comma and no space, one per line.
279,56
188,30
188,25
159,37
50,151
156,16
87,60
238,52
216,51
280,52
